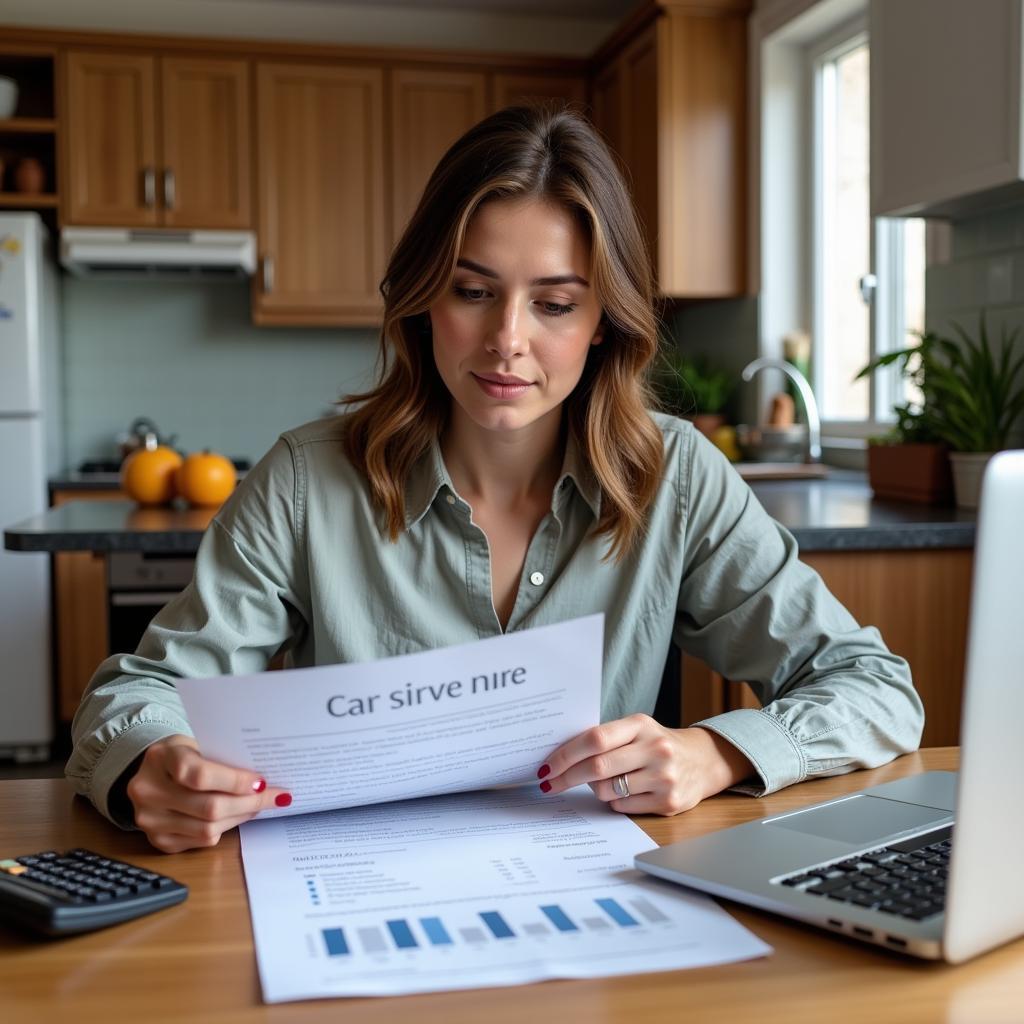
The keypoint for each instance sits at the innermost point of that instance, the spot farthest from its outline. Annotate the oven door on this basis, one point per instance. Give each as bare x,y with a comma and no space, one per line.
139,585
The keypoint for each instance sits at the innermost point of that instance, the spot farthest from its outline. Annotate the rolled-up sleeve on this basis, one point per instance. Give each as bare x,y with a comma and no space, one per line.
834,698
247,597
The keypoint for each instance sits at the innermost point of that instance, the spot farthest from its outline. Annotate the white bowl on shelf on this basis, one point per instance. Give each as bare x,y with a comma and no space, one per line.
8,97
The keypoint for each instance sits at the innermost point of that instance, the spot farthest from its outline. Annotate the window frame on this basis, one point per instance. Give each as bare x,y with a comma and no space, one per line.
886,316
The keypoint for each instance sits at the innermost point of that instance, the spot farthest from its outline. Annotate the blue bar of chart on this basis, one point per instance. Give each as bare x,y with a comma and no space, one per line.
617,912
402,934
523,923
498,925
334,940
559,918
436,931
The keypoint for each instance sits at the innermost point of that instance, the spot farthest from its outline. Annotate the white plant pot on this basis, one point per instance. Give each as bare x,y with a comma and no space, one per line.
8,97
968,468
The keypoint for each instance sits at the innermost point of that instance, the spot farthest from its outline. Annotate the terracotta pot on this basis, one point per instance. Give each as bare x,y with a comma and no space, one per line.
911,472
29,175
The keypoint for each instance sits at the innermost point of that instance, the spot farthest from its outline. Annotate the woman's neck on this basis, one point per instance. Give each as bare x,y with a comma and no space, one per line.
504,469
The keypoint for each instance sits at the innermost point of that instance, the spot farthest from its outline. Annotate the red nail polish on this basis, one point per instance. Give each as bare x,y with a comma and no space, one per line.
259,785
545,787
545,769
283,799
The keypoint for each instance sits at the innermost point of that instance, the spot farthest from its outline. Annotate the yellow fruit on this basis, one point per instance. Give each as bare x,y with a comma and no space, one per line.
205,479
724,438
148,475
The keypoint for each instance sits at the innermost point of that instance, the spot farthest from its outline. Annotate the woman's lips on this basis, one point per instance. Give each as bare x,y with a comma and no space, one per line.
497,386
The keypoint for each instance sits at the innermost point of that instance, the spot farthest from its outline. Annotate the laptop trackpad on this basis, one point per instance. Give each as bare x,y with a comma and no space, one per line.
861,820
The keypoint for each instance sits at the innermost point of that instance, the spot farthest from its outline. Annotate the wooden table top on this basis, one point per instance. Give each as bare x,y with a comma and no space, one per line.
196,961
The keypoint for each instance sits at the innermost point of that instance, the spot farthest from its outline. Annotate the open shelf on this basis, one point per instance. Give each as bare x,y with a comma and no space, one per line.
28,201
27,125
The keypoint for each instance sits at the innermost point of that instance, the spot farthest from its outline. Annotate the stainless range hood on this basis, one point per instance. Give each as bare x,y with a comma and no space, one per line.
151,253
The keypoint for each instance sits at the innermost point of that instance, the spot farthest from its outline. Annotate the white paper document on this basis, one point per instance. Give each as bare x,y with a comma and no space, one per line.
464,891
458,718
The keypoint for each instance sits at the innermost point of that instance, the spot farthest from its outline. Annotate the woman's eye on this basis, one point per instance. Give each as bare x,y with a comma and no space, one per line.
557,308
470,294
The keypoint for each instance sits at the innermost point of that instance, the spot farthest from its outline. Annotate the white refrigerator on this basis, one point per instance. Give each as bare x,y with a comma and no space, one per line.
30,450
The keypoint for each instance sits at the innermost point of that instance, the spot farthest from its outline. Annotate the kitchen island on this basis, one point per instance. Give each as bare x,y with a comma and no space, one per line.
901,567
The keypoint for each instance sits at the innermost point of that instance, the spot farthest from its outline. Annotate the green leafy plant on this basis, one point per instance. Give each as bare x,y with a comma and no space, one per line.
684,385
972,396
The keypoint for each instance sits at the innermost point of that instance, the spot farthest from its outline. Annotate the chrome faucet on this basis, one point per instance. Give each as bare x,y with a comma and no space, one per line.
806,395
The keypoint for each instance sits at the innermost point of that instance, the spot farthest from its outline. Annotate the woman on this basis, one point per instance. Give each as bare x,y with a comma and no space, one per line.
505,473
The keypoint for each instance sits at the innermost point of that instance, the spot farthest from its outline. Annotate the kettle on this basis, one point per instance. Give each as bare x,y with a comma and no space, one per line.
143,433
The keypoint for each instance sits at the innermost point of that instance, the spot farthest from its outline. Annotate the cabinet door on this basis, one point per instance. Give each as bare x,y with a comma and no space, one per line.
429,111
639,130
322,223
206,165
80,610
946,136
111,140
512,89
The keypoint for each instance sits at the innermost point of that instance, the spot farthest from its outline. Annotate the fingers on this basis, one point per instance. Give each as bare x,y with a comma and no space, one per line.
183,800
188,768
599,753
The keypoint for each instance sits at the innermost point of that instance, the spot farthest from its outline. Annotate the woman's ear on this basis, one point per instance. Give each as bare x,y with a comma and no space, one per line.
602,326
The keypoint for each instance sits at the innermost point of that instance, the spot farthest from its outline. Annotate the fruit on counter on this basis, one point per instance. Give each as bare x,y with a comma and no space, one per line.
205,479
147,475
724,439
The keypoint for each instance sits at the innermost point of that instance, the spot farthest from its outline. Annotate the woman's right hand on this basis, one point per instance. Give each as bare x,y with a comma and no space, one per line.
182,800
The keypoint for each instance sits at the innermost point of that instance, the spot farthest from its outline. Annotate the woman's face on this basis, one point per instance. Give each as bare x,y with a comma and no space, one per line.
511,336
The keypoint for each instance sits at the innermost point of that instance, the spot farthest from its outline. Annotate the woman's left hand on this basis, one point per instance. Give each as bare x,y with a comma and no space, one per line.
666,770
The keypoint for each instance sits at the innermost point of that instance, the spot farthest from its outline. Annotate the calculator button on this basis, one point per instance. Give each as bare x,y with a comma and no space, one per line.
163,882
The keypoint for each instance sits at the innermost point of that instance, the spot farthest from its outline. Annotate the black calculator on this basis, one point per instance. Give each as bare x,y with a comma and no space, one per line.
64,893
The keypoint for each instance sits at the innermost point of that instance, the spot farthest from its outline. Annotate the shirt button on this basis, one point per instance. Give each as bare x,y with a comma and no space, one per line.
451,499
536,578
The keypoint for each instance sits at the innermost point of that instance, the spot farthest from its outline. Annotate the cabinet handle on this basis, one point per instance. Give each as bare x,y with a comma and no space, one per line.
170,194
149,186
268,274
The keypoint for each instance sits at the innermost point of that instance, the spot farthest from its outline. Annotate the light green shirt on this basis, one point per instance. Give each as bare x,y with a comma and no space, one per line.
297,555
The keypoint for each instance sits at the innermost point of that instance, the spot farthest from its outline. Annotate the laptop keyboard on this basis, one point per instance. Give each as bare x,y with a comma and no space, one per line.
907,878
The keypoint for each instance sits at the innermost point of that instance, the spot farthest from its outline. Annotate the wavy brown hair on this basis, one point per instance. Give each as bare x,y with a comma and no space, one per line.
519,152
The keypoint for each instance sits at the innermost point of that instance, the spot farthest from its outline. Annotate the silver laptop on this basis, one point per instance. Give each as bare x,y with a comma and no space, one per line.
887,865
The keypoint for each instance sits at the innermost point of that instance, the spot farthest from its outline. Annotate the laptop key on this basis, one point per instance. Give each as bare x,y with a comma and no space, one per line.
828,885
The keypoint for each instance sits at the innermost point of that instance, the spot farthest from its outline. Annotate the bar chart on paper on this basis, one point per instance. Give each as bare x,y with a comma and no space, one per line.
467,891
549,922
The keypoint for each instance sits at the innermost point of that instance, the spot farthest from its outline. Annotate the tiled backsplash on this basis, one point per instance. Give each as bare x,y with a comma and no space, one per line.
985,270
186,356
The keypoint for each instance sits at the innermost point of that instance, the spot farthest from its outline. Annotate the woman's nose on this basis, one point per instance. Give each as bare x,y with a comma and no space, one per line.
506,337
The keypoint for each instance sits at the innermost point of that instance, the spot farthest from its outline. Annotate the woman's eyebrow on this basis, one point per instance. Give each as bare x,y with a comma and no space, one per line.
479,268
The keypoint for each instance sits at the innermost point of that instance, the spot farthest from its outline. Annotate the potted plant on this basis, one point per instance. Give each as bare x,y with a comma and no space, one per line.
972,398
910,462
690,387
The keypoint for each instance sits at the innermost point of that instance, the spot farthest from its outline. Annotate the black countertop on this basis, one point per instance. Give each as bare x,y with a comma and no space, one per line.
837,513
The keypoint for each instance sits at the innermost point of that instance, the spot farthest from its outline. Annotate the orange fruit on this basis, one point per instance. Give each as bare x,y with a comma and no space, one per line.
205,478
148,475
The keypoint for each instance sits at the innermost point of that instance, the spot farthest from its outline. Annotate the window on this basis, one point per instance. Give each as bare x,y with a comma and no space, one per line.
867,275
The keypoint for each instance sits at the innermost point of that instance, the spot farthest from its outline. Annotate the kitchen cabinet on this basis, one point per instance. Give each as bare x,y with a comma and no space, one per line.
918,600
80,610
429,111
134,160
946,87
669,95
323,226
513,88
31,133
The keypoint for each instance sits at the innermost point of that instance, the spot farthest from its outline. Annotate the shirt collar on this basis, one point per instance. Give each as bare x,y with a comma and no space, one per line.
429,475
